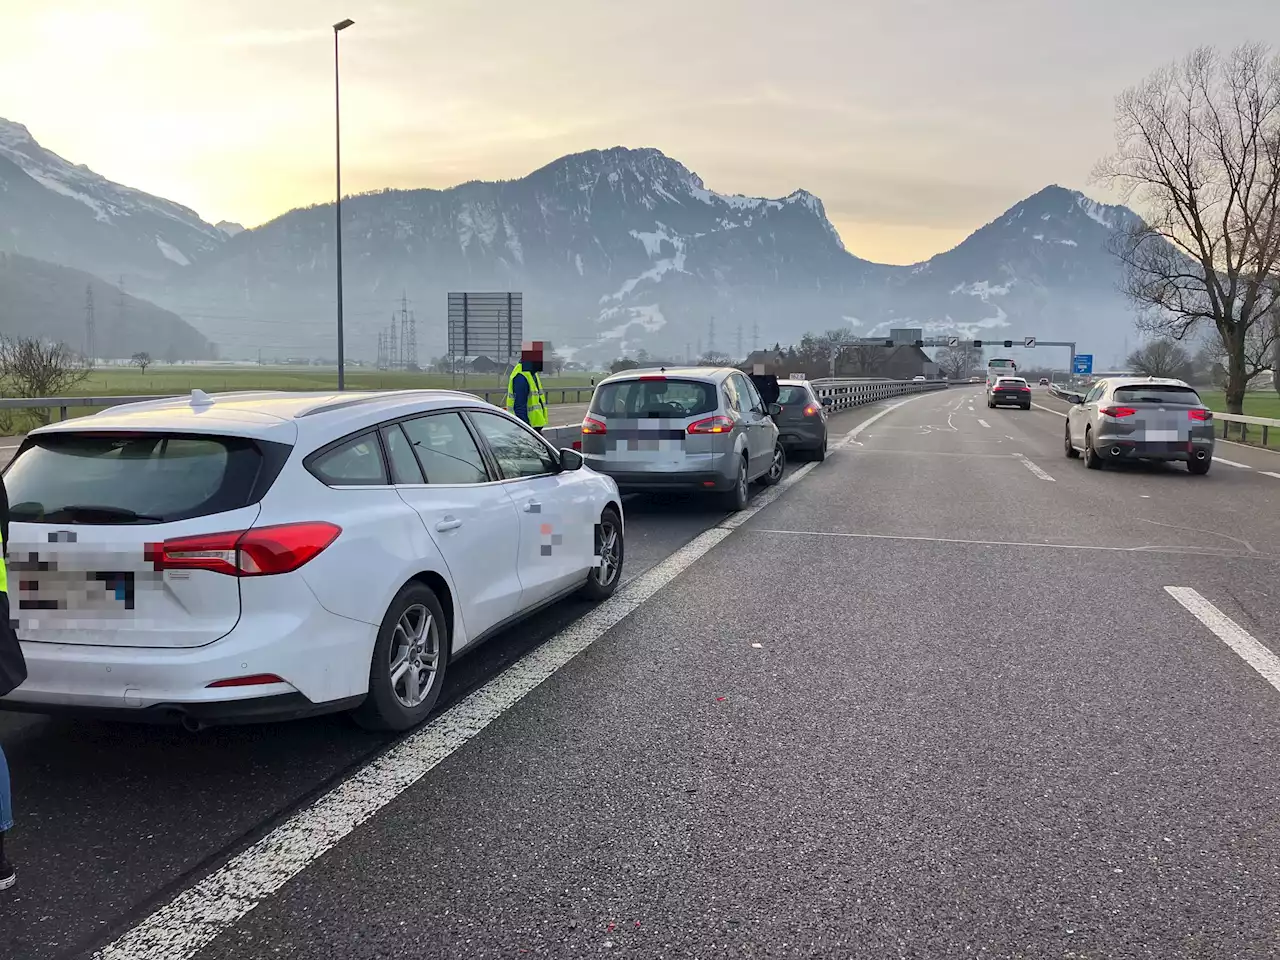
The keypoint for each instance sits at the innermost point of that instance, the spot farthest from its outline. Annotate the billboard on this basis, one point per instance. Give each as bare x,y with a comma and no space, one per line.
486,325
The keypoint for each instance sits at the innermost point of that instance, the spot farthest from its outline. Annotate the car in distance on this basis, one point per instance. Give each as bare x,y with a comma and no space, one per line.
918,378
1009,391
265,555
1044,381
802,421
685,429
1140,418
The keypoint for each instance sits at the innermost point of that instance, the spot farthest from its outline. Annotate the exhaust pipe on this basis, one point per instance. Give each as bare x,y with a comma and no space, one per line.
1202,455
191,724
1115,451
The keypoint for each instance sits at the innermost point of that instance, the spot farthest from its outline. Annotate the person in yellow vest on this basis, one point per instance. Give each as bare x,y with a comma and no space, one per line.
13,671
526,398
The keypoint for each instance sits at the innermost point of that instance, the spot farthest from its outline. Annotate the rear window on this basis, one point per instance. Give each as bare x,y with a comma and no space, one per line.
668,399
1159,393
1011,382
135,478
793,396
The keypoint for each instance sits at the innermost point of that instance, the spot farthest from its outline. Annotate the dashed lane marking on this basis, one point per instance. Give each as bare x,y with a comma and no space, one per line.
1036,470
985,424
1231,633
1266,473
1231,463
200,913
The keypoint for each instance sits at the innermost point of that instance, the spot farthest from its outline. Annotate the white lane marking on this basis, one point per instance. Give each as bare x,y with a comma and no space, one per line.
1036,470
1231,463
1056,413
1266,473
1195,551
985,424
197,915
1231,633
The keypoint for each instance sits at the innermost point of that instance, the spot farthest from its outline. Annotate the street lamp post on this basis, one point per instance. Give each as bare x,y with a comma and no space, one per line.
337,164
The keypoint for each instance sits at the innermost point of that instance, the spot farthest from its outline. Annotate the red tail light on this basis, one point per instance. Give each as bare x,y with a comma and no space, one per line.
593,426
654,377
577,445
1201,415
257,680
811,410
258,552
712,425
1117,412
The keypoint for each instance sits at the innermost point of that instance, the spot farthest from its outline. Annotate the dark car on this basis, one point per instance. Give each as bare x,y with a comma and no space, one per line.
802,424
1009,392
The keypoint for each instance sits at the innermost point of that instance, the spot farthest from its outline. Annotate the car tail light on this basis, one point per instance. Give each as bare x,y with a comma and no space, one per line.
577,445
257,680
1201,415
590,425
654,377
1117,412
1024,389
811,410
257,552
712,425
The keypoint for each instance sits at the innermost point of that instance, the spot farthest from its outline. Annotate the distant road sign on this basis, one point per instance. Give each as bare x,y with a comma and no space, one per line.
953,341
1028,341
1082,364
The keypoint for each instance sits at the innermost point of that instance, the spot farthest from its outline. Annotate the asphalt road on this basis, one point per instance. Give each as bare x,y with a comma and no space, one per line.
934,700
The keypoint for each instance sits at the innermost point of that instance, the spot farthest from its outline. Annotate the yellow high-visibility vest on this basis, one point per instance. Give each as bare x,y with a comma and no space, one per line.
537,397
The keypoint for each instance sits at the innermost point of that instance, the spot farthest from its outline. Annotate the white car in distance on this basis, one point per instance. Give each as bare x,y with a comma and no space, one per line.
254,556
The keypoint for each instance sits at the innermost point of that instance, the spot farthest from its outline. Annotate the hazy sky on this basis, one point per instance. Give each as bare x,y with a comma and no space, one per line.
915,121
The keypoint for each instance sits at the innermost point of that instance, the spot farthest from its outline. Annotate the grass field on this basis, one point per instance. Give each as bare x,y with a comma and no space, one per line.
1257,404
168,381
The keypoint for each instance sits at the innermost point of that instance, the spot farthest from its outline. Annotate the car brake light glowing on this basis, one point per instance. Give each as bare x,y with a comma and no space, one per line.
715,424
1117,412
590,425
1201,415
257,680
811,410
655,376
258,552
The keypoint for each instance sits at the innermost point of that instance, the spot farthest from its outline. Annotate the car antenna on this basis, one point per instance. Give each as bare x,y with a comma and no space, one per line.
200,399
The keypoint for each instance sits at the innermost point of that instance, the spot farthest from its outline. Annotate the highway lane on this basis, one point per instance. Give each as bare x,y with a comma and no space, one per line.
110,816
926,704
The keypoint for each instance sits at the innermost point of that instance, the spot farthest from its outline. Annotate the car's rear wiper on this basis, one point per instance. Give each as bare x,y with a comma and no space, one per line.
86,511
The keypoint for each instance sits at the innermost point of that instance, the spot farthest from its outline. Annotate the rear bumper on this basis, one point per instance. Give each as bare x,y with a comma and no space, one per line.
716,471
1120,448
269,709
1012,401
673,482
801,436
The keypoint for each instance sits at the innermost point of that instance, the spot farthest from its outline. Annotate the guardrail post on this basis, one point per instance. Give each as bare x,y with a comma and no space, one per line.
62,413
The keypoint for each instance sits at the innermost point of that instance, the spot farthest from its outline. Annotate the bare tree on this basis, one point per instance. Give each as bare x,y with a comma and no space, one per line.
141,360
1162,358
1198,143
957,363
34,368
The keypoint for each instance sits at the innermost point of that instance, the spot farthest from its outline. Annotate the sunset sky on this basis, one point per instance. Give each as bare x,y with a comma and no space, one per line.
915,121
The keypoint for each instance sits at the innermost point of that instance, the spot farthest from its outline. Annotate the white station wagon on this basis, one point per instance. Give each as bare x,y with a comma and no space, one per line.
252,556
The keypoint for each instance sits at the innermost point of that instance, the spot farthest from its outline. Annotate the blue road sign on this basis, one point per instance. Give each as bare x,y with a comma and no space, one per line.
1082,363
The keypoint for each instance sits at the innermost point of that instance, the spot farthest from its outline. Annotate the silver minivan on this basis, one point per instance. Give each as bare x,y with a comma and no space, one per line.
684,429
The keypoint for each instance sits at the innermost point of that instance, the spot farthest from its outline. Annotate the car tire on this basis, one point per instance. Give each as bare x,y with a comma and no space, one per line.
1026,406
820,454
737,498
1199,467
405,636
603,579
1091,458
1071,452
777,467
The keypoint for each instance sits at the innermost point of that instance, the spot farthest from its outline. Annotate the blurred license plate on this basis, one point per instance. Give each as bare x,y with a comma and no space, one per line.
1162,436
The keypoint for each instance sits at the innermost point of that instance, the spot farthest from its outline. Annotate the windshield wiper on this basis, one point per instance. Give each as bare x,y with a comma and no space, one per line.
86,511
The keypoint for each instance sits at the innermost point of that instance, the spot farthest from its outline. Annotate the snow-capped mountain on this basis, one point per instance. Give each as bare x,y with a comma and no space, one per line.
614,250
54,210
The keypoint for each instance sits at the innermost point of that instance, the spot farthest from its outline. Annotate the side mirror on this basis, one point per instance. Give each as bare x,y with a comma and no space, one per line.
826,401
1075,398
570,459
774,409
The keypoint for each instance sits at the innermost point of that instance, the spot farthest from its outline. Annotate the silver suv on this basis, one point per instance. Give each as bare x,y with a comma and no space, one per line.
1140,418
689,428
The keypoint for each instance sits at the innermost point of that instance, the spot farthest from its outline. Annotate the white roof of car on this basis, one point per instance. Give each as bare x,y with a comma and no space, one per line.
278,415
1146,381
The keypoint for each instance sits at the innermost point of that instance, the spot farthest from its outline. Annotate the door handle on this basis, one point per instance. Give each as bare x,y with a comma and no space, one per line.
532,506
448,523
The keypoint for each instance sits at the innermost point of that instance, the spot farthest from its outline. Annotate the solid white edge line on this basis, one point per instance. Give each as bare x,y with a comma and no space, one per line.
1267,473
1231,633
1036,470
195,917
1056,413
1231,463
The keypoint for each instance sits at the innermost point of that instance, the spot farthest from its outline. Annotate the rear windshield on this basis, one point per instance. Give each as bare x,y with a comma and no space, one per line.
135,478
674,399
1158,393
1011,382
793,396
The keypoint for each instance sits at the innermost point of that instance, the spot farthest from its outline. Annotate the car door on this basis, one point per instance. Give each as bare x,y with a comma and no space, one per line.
756,424
1080,416
440,472
555,508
